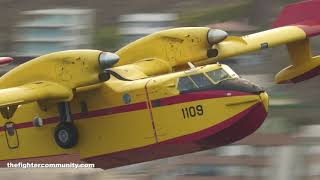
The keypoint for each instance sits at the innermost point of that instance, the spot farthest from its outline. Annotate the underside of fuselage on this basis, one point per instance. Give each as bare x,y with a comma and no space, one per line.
229,131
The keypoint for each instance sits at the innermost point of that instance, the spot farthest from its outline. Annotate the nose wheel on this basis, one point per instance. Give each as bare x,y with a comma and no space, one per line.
66,133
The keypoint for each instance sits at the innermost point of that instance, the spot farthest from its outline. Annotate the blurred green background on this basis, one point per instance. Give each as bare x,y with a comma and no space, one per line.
286,147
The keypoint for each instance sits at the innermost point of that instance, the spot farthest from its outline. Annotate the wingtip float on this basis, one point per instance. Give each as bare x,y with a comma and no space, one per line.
144,102
303,15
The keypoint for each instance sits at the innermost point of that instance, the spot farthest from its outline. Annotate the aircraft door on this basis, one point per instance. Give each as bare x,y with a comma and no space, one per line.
161,115
11,135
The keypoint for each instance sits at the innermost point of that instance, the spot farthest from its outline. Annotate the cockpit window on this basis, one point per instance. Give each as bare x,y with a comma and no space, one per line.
201,80
185,84
218,75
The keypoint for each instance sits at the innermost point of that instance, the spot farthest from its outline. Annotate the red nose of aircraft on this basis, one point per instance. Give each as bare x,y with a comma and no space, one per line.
245,122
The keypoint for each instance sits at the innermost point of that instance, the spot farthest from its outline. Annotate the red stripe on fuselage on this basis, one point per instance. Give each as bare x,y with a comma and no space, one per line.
110,111
228,131
183,98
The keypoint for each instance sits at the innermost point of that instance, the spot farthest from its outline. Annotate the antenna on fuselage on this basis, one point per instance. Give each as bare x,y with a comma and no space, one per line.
192,66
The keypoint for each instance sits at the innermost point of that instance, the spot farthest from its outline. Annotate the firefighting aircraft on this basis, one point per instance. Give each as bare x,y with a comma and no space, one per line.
160,96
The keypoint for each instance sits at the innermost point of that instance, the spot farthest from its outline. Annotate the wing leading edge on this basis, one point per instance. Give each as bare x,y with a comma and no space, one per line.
36,91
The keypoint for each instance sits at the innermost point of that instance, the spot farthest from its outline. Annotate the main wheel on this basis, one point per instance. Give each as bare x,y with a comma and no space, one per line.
66,135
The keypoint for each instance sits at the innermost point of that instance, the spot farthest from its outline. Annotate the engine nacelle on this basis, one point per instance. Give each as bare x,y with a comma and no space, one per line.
72,69
298,73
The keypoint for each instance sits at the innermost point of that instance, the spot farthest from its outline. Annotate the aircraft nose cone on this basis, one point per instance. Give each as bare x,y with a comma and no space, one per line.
216,35
242,85
265,100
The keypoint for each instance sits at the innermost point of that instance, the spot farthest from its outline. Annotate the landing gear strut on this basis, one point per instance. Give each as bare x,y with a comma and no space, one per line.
66,133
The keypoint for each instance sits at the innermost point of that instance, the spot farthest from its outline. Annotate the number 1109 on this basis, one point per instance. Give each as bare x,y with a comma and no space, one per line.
192,111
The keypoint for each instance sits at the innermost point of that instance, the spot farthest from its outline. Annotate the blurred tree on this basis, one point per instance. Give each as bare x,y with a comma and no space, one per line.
107,38
214,14
260,12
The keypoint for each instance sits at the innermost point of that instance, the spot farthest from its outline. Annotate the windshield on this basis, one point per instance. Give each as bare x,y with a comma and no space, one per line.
201,80
185,84
193,82
219,75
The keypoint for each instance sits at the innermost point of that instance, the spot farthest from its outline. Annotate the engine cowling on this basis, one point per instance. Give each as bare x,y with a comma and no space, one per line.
72,69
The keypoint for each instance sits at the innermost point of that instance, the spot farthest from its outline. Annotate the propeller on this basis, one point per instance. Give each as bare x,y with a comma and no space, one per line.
216,36
107,60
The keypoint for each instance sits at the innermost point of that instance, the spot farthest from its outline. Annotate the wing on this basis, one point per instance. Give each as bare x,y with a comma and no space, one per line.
142,69
234,45
174,48
36,91
295,25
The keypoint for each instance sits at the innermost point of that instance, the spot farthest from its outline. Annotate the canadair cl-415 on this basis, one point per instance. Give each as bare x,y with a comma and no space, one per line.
160,96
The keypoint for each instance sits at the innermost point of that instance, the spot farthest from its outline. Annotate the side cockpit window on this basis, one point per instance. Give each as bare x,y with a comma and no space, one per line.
205,80
201,80
218,75
185,84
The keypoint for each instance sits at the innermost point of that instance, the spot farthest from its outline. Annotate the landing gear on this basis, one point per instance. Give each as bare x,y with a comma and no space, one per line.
66,133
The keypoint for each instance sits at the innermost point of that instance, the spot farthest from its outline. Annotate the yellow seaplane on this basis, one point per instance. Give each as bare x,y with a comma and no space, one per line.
160,96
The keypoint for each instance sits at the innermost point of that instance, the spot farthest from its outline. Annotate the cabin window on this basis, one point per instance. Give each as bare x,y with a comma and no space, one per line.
218,75
201,80
185,84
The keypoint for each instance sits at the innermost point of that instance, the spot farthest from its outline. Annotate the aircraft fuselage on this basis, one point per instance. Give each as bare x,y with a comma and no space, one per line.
125,122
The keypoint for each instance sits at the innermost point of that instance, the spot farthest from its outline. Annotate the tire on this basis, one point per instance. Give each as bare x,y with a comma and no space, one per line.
66,135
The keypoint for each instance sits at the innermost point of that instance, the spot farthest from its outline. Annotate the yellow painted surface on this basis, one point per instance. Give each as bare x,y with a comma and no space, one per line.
234,45
170,123
150,61
174,46
302,61
293,71
34,92
123,131
173,49
265,100
74,68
